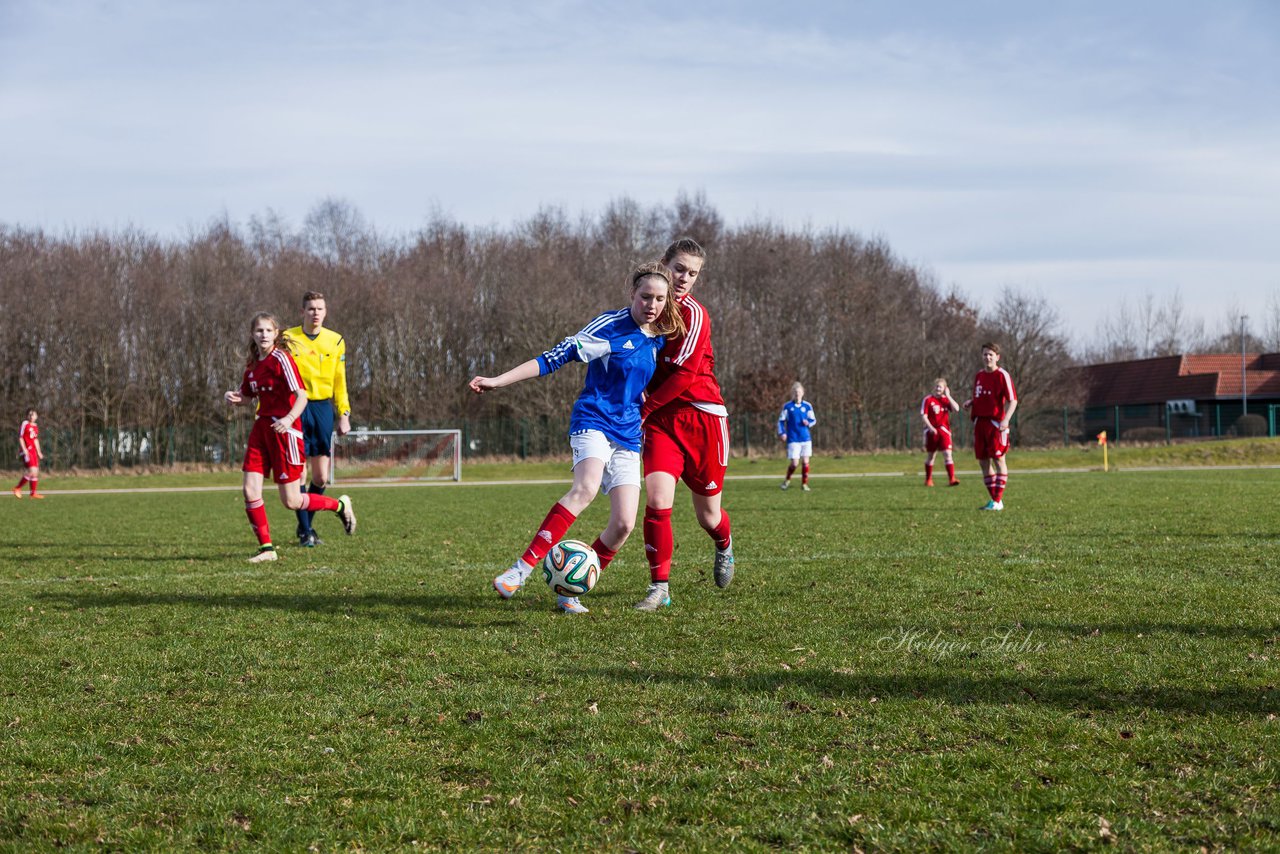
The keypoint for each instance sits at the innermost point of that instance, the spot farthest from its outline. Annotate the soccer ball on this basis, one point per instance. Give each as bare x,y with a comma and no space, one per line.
571,568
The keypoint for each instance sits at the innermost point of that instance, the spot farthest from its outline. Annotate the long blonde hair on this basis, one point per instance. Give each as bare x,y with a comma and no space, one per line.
670,324
282,341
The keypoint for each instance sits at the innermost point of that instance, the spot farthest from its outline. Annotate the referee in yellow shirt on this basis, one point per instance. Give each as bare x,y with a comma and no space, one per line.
321,356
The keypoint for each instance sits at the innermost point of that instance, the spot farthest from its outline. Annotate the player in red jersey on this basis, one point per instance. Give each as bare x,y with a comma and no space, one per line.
992,405
686,434
29,445
935,411
275,443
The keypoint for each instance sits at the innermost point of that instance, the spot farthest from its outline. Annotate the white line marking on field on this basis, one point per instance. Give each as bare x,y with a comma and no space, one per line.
395,484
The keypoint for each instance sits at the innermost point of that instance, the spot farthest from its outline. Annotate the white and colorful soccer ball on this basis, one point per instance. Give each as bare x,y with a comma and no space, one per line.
571,568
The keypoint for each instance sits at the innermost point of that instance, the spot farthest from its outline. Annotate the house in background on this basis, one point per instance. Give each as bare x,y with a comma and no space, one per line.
1182,396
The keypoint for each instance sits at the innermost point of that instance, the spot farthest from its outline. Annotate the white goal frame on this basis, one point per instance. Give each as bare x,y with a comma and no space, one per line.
356,435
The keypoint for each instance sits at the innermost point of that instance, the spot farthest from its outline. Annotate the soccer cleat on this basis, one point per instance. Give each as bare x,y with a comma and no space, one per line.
786,484
315,539
656,598
305,541
954,483
571,605
346,514
264,555
993,505
928,482
37,495
805,487
17,492
999,506
723,569
510,581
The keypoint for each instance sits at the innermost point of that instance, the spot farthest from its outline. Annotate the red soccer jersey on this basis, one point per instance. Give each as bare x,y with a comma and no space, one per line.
275,382
686,367
937,410
991,391
27,435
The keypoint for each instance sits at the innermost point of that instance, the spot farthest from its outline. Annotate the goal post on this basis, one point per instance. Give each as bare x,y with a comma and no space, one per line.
398,455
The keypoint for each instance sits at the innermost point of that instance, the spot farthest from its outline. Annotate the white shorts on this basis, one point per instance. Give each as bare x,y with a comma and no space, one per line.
796,450
621,465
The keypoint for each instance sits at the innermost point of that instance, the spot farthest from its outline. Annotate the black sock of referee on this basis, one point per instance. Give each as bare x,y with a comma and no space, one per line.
316,489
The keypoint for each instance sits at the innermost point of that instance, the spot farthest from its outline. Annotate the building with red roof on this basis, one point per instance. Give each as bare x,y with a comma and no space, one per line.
1200,395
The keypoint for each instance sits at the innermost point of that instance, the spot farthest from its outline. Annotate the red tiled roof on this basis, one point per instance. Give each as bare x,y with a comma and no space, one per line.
1201,377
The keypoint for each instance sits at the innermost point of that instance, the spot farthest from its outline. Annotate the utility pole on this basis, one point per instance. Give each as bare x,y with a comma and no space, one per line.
1244,385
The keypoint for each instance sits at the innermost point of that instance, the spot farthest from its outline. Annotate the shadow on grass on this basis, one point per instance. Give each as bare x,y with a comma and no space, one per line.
1076,694
437,611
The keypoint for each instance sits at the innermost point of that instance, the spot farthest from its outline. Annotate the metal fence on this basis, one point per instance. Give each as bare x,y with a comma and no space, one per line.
751,434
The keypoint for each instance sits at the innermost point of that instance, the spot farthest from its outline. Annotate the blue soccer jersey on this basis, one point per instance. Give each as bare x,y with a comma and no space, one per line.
795,421
621,359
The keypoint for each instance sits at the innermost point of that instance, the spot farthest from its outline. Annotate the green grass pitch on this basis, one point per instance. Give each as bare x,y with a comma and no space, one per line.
891,669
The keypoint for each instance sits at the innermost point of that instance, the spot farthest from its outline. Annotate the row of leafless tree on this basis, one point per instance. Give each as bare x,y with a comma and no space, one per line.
1150,327
128,330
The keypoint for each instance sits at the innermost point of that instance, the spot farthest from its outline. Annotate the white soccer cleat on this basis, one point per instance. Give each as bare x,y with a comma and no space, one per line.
347,514
993,505
511,581
656,598
571,605
786,484
723,569
265,554
805,487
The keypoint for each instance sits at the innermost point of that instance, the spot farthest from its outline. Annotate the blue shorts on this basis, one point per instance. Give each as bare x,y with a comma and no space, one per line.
317,428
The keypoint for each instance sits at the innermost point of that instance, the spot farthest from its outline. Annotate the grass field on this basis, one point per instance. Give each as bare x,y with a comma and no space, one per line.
891,669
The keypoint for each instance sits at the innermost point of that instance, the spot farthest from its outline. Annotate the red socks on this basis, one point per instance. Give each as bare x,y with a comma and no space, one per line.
550,532
312,502
720,533
659,543
605,553
258,521
995,485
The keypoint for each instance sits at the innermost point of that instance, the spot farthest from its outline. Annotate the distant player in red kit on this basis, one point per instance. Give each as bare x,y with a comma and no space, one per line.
686,434
275,443
935,411
991,407
29,445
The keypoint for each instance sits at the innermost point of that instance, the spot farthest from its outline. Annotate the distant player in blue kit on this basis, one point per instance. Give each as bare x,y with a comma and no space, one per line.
793,428
621,351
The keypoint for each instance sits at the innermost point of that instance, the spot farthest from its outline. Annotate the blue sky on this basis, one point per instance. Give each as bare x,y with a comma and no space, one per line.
1089,152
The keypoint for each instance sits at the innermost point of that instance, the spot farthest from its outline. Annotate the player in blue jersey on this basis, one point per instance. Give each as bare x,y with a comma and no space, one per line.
793,429
621,351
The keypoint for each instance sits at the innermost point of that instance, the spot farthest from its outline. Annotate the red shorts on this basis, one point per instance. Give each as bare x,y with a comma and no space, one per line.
989,441
30,458
688,444
269,451
937,440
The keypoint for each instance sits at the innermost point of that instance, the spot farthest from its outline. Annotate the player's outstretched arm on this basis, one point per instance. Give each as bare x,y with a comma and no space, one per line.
524,371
